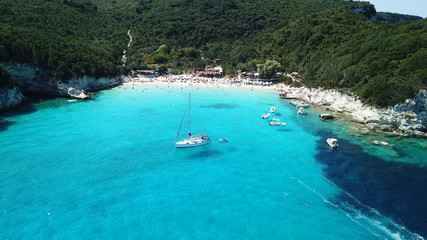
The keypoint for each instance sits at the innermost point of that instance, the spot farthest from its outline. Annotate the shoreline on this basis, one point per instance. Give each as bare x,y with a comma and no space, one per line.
407,119
186,82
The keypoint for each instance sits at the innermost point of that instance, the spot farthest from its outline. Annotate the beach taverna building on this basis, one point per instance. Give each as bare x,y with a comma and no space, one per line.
211,72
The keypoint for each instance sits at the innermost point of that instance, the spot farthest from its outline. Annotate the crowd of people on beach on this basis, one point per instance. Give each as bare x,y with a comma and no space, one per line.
191,79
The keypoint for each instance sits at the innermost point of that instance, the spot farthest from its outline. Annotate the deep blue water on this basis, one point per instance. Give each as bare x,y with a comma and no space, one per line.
107,169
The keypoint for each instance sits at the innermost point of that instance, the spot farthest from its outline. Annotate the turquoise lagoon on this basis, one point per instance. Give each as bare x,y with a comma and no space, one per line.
107,168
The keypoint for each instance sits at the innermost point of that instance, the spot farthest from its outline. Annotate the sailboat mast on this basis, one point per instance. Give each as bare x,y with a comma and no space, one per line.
189,114
182,120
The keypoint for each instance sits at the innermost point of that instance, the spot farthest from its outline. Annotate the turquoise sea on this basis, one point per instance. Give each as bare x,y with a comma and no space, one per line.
107,168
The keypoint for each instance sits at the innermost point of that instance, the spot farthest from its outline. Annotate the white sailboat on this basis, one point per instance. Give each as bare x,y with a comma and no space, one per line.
191,140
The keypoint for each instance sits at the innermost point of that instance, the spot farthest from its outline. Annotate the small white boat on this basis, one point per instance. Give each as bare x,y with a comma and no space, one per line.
383,143
276,122
265,115
299,103
302,105
300,110
223,140
333,142
294,102
273,109
72,100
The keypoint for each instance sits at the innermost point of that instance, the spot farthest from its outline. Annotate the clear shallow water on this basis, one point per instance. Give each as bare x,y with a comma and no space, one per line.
108,169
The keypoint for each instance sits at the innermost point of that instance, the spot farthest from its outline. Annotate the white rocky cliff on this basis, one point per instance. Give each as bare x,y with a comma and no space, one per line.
408,118
33,80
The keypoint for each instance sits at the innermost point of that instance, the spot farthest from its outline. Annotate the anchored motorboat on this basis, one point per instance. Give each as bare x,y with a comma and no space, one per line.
223,140
303,105
273,109
300,110
276,122
333,142
265,115
383,143
299,103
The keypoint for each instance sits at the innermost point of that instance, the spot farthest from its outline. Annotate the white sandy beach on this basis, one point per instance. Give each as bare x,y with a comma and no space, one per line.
186,80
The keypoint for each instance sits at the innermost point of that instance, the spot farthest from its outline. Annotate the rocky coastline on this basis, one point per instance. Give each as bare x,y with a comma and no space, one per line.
10,97
33,80
406,119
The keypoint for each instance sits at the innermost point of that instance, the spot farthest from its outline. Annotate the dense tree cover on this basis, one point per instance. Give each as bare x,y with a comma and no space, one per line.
76,37
328,43
382,63
194,23
269,69
68,38
217,29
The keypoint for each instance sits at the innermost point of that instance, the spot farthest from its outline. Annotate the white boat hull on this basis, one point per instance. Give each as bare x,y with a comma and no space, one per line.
384,143
266,115
277,124
332,142
192,142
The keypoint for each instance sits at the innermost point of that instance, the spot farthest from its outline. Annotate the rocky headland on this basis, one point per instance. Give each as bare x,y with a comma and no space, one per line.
10,97
29,79
408,118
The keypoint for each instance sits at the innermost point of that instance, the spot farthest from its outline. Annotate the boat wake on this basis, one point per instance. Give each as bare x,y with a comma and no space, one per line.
396,190
370,218
365,216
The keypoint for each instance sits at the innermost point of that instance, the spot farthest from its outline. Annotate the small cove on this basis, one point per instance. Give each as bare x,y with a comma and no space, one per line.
110,163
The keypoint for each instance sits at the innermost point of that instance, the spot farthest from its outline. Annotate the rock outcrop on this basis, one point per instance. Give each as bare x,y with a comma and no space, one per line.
35,80
368,12
371,14
10,97
408,118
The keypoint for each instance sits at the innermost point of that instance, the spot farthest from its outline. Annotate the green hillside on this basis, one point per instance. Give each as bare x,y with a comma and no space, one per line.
384,64
324,40
68,39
